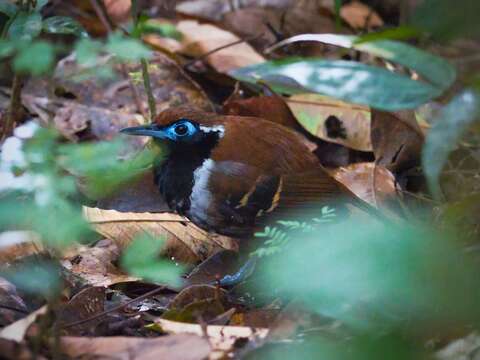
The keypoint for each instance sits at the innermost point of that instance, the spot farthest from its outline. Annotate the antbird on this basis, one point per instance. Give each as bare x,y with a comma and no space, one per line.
228,174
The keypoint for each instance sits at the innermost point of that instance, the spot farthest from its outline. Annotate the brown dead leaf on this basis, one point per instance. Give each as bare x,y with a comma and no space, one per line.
222,338
95,265
184,241
18,329
85,304
12,307
18,244
199,39
172,347
397,139
12,350
372,183
333,120
214,268
360,16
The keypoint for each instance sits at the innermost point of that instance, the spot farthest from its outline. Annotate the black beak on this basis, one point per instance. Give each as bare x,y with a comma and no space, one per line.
144,130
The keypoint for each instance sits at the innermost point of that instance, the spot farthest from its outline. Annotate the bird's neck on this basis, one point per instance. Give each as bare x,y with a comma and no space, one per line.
175,175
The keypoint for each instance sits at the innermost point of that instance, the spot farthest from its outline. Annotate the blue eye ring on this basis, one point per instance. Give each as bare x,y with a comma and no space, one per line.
181,129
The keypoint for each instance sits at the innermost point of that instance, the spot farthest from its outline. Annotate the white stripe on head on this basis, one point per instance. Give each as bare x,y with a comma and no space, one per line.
217,128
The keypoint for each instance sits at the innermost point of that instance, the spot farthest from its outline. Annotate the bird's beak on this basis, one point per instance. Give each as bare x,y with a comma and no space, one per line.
144,130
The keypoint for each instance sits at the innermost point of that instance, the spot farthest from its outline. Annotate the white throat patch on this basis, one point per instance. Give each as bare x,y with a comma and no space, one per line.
200,197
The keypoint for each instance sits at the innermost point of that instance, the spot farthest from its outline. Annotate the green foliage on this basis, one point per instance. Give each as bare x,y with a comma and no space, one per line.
346,80
8,8
277,237
141,259
447,130
25,26
126,49
44,54
376,277
63,25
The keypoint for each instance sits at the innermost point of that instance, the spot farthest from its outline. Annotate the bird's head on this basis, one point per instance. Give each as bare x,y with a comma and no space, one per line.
182,127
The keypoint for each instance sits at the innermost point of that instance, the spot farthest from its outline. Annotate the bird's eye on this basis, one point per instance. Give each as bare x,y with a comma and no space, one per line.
181,129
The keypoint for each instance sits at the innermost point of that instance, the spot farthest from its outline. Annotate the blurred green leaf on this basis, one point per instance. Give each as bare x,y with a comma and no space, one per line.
8,8
346,80
35,277
63,25
148,26
376,277
433,68
7,48
40,4
87,50
36,59
127,49
25,26
141,259
446,131
446,19
100,166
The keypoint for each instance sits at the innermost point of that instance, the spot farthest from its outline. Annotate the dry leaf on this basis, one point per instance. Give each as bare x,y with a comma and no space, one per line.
372,183
9,300
184,241
18,244
333,120
397,139
222,338
18,329
199,39
95,264
172,347
85,304
360,16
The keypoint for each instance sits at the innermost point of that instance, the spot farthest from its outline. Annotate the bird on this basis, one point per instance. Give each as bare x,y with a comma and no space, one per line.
232,174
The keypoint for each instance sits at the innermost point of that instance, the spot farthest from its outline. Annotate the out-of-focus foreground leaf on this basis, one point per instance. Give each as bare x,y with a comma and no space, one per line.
452,122
372,276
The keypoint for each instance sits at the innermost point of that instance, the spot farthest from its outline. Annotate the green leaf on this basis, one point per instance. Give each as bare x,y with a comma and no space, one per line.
35,59
445,133
40,4
127,49
433,68
141,259
8,8
7,48
34,277
63,25
346,80
86,51
26,26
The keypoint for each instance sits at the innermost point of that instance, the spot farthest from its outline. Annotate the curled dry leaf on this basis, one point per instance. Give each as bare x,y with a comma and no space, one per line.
222,338
370,182
184,241
199,39
10,300
172,347
85,304
95,265
333,120
397,139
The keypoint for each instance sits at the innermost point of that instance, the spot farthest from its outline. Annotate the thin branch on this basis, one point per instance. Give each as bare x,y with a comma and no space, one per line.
148,89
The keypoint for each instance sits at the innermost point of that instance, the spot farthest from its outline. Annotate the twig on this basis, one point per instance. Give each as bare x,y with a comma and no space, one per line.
108,24
116,308
148,89
15,110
